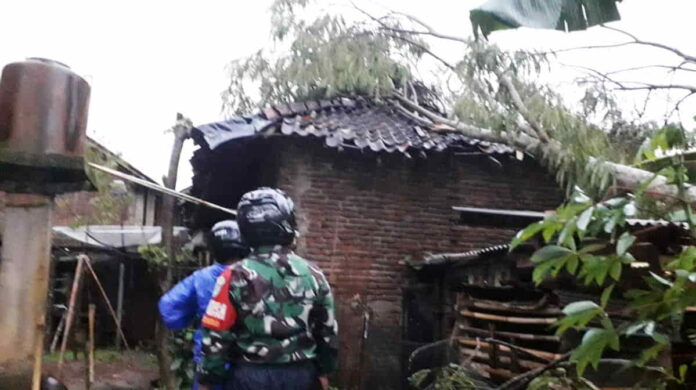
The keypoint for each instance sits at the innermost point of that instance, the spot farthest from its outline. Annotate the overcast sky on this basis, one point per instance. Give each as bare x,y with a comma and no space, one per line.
148,60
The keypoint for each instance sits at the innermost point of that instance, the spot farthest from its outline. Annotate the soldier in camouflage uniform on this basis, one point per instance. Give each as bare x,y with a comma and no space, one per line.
271,319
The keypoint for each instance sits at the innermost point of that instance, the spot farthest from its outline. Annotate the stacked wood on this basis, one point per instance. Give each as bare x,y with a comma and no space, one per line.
506,338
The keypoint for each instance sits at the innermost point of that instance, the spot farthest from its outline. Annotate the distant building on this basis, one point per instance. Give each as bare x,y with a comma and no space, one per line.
110,242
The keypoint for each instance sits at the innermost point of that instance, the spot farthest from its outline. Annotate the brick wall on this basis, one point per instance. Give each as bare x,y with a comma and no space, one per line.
361,216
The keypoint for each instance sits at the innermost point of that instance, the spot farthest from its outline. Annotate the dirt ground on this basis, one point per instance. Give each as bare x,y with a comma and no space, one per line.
113,371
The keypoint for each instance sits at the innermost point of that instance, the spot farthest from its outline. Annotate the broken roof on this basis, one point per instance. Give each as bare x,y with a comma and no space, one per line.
355,123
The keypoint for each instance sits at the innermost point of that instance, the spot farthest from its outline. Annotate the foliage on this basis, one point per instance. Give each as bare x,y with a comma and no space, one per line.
590,242
156,256
450,377
107,206
181,349
560,380
327,55
564,15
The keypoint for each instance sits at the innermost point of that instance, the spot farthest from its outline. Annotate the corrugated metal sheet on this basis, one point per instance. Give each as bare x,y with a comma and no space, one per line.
447,258
348,123
533,216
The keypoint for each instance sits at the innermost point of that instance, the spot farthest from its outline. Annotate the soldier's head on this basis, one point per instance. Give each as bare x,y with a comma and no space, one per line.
226,243
266,217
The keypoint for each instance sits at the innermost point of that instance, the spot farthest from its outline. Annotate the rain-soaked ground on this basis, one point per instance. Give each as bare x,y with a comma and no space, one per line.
132,370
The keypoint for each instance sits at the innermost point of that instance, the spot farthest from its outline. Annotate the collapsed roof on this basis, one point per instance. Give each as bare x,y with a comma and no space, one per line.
355,123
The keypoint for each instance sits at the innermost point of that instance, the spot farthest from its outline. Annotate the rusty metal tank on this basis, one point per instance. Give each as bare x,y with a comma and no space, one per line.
43,118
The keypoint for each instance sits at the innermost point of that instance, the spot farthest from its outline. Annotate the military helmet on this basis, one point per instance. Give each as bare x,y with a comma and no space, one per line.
266,216
226,242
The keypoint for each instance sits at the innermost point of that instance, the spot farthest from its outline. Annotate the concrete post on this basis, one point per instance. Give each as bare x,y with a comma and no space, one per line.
24,272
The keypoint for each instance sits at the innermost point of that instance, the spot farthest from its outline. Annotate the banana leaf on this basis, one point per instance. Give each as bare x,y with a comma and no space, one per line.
564,15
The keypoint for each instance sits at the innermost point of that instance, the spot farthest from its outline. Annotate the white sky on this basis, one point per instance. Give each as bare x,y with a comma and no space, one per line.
148,60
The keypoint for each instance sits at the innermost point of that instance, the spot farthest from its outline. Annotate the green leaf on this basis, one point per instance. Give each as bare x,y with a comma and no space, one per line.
540,272
615,270
682,372
606,294
526,233
590,350
592,248
566,236
661,279
549,231
572,264
578,307
585,219
624,243
550,252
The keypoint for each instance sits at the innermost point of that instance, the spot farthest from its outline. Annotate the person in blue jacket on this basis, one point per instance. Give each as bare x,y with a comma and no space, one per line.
186,302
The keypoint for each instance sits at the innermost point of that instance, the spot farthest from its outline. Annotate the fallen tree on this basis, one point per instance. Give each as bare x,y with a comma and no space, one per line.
487,94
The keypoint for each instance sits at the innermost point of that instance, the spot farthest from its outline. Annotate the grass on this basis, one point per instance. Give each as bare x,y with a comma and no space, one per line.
109,356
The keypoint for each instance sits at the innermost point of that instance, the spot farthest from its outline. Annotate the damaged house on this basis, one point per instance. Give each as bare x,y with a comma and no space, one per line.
375,187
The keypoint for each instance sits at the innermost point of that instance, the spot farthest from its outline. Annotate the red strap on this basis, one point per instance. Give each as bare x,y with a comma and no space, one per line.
220,315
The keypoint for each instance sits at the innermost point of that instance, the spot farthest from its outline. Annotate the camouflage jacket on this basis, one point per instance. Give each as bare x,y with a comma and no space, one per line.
284,313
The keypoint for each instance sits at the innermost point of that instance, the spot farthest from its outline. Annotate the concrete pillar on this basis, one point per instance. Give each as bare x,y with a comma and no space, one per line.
24,273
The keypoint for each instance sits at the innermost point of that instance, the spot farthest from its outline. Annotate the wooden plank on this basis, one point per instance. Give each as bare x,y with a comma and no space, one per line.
510,319
513,335
482,344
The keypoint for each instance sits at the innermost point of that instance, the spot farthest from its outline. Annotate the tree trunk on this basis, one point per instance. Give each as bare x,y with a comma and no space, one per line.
626,176
166,214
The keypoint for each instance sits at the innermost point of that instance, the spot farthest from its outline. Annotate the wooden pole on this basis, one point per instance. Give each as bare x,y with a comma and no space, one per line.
71,313
119,303
182,130
90,365
59,330
24,272
38,359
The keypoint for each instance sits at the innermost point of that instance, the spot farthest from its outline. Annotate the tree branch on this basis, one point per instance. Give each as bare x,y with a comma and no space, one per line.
652,87
637,41
522,108
424,49
679,67
521,381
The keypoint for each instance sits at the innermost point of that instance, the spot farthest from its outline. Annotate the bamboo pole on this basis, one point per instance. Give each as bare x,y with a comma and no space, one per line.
514,307
519,336
71,312
514,320
59,329
38,357
90,365
119,302
503,348
504,360
169,191
106,299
